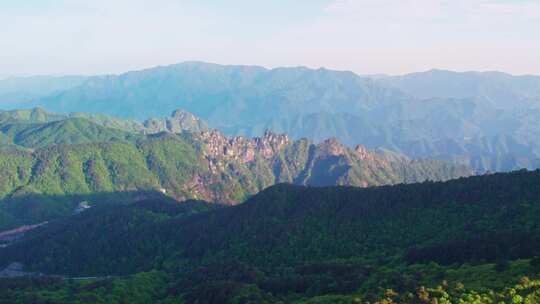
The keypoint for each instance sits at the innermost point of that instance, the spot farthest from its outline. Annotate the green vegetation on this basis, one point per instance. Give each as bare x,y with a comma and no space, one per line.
484,120
68,131
37,127
468,240
77,156
295,244
86,171
156,287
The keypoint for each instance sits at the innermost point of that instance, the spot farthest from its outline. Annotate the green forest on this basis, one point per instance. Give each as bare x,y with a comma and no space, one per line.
270,152
168,211
52,162
470,240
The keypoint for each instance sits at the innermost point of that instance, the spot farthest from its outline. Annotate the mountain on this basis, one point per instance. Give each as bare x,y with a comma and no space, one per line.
214,92
37,127
68,131
298,244
501,90
485,120
289,224
205,165
178,122
16,91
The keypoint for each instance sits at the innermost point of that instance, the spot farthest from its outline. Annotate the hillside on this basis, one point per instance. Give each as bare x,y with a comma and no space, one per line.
67,131
177,122
486,120
291,243
288,224
204,165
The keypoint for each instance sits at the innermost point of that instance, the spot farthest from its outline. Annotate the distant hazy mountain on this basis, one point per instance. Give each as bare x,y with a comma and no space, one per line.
488,120
225,96
500,90
15,91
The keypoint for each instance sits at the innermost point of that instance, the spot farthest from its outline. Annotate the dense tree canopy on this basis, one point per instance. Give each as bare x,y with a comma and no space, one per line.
468,240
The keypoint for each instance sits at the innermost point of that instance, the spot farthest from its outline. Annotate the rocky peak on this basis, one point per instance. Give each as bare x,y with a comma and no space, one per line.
216,143
178,122
332,147
179,113
220,147
181,120
363,153
271,143
183,116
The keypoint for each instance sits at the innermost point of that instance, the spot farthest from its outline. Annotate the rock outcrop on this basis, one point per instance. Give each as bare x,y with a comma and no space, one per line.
222,148
178,122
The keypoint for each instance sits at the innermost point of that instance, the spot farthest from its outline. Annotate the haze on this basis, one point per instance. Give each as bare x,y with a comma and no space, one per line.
365,36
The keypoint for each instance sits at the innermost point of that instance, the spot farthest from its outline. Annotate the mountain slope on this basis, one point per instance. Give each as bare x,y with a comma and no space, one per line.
463,117
213,92
293,240
67,131
499,89
17,91
37,127
204,165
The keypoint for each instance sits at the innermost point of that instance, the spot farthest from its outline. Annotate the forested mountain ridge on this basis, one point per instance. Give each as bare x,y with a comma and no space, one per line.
200,165
289,224
314,244
105,191
486,120
67,131
177,122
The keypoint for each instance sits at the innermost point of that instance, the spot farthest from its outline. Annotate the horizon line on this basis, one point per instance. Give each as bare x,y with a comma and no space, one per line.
268,68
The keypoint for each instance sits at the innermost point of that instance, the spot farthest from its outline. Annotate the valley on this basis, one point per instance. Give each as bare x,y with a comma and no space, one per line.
269,152
54,157
298,244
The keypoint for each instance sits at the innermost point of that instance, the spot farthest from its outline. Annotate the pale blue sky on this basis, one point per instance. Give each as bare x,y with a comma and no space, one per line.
365,36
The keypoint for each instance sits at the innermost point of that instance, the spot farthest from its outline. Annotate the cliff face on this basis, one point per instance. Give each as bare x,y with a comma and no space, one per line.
199,164
205,165
256,163
220,148
47,158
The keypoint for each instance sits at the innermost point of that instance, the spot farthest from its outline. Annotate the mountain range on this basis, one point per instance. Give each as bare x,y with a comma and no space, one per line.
200,183
486,120
46,155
